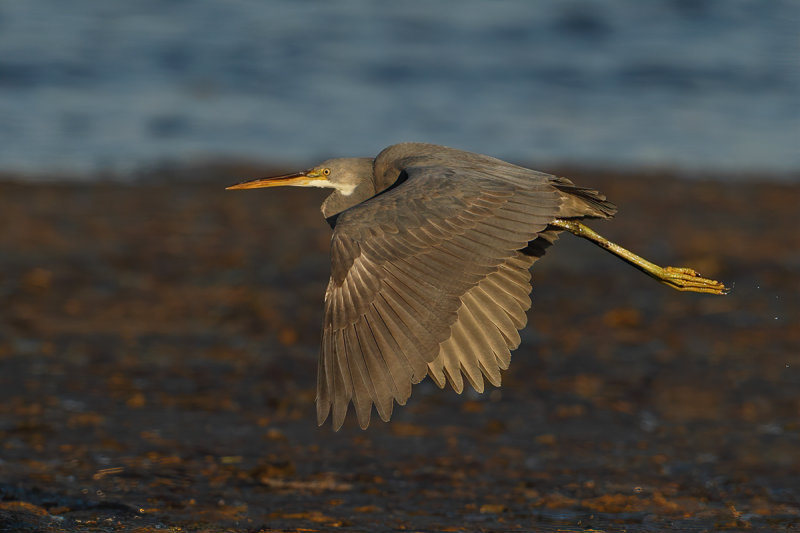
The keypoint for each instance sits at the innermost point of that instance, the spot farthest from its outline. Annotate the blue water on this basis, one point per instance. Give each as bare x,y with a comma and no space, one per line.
96,85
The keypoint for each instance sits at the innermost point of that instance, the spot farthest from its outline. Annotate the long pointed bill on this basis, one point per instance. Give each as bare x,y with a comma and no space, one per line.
297,179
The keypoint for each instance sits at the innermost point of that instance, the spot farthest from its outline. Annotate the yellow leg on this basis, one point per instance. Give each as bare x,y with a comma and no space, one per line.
680,278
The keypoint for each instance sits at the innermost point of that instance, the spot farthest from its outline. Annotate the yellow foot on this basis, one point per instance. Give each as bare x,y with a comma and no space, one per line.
686,279
680,278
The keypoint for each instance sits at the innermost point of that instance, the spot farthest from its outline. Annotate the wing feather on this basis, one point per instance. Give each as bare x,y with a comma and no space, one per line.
499,316
492,335
345,388
427,278
363,388
399,368
486,330
479,344
413,349
383,391
466,357
448,353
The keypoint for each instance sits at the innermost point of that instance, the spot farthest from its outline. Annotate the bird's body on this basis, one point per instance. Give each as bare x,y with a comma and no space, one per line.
430,259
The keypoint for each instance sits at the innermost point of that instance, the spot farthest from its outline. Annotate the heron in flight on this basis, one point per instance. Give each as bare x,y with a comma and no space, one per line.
430,259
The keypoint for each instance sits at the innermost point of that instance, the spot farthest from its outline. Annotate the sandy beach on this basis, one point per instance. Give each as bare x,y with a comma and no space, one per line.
158,347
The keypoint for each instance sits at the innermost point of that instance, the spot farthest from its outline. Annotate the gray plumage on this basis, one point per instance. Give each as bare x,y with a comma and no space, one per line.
431,277
430,259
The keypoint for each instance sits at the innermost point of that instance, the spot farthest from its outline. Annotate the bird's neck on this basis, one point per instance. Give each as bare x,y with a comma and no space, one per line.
392,161
338,201
379,175
343,199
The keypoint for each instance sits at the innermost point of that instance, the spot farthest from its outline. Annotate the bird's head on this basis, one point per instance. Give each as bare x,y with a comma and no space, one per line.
352,178
344,175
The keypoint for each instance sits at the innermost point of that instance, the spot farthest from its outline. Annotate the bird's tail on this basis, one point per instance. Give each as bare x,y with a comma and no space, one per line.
583,202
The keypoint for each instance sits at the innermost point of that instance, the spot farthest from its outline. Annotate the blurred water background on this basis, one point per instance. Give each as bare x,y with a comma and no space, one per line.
90,86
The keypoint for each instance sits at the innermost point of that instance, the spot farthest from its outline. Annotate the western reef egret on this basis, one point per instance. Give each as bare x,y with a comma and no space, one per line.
430,259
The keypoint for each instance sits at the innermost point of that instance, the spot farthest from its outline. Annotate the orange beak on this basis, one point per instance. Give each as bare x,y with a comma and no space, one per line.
297,179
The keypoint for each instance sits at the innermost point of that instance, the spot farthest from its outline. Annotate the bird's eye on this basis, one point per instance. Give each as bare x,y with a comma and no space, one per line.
326,172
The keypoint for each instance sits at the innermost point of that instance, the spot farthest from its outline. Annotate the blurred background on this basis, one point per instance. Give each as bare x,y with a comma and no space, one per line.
159,341
90,86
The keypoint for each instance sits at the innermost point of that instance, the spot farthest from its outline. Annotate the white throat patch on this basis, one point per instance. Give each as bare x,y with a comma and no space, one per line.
344,189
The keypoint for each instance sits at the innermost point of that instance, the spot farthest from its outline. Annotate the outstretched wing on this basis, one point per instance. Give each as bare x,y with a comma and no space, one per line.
491,312
440,257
